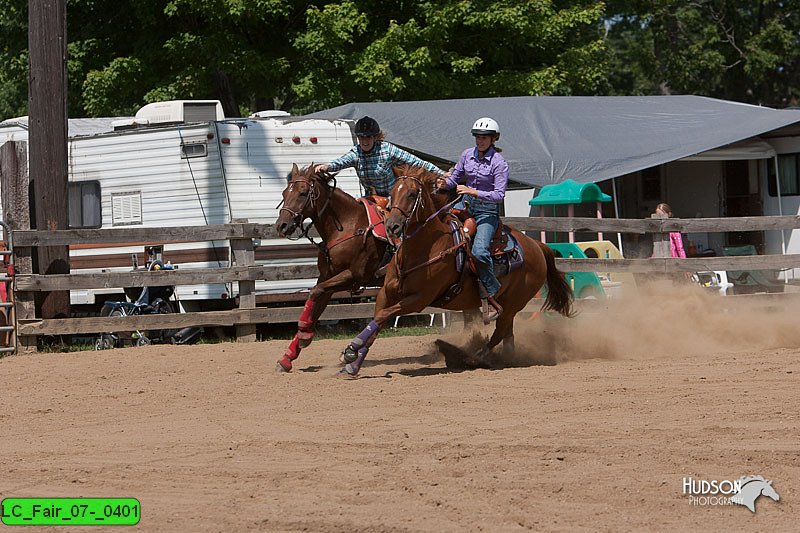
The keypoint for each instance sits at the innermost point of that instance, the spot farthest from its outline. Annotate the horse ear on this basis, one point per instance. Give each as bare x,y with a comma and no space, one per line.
295,170
769,482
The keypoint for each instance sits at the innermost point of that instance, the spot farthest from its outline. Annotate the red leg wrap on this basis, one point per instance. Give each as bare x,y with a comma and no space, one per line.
292,352
304,338
286,363
306,321
305,325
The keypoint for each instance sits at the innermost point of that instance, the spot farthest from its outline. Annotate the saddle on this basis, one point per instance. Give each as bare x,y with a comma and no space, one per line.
502,241
376,214
506,252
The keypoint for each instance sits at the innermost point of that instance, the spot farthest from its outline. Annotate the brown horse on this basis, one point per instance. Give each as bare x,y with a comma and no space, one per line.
423,269
349,253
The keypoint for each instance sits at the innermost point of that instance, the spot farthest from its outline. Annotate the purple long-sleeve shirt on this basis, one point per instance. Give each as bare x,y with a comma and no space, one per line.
488,174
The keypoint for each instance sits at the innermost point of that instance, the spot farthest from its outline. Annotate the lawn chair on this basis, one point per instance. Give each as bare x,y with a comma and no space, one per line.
751,281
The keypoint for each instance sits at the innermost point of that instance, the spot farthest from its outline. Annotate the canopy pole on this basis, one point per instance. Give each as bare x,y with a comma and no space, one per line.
780,210
543,234
571,214
599,216
616,212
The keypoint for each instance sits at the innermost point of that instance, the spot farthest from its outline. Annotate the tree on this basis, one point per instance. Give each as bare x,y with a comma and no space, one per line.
736,50
449,49
299,56
13,58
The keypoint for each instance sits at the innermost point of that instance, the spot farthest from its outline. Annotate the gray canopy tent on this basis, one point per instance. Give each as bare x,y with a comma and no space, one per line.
547,139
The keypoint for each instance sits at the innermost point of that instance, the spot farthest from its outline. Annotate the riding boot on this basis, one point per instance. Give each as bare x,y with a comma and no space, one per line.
496,311
387,256
489,314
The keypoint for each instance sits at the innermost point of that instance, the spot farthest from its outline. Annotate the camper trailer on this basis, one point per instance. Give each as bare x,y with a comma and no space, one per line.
182,163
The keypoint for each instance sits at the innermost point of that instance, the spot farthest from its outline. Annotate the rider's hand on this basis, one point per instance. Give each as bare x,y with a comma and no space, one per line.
320,168
469,191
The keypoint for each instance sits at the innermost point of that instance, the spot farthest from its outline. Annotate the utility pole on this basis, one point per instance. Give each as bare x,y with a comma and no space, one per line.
47,138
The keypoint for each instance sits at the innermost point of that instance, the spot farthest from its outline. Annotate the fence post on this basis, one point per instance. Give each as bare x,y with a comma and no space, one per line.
244,255
16,213
661,246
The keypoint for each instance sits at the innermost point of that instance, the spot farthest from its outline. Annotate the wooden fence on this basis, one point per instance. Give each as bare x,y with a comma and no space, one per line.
246,272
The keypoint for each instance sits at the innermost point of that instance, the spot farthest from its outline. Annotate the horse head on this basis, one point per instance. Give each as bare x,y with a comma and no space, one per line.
768,490
751,488
411,199
305,191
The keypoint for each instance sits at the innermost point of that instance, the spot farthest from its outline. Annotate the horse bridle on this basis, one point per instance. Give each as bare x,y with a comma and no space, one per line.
417,202
401,272
311,199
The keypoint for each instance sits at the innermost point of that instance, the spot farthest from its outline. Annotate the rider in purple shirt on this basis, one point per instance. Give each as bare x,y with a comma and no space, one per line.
486,173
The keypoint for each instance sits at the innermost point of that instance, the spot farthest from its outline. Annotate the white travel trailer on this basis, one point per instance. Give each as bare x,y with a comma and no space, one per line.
182,163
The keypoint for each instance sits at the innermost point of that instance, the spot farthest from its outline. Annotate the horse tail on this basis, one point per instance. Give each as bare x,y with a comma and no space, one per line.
559,293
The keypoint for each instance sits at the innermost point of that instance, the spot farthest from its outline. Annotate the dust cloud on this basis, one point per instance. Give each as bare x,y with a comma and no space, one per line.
659,320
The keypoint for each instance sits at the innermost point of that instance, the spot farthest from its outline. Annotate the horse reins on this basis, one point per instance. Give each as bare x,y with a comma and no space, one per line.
418,202
312,197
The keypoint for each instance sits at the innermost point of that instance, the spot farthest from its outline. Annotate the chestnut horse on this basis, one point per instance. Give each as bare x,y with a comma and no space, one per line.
349,253
424,268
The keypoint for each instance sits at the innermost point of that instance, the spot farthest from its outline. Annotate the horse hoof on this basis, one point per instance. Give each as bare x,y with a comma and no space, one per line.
349,355
282,369
479,359
348,371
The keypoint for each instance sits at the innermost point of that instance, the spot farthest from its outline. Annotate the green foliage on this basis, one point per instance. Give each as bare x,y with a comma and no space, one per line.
301,56
13,58
737,50
304,56
450,49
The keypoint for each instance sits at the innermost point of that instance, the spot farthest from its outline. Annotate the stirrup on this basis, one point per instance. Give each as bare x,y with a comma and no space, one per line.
490,314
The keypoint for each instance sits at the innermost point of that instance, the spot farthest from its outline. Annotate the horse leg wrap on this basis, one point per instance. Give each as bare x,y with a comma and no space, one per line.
306,322
292,352
355,366
365,335
305,325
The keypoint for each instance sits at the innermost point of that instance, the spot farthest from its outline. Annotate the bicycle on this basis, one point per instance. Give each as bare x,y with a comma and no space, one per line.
151,301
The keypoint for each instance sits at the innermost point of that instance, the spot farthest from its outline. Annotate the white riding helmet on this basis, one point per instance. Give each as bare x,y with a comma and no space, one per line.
486,126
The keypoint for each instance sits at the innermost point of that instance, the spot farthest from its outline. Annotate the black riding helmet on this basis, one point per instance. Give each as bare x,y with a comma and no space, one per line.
367,127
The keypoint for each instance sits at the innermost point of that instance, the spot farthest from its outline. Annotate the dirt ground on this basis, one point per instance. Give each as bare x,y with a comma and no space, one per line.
594,430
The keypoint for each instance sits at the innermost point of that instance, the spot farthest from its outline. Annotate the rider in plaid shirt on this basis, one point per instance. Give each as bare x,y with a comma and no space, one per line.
373,159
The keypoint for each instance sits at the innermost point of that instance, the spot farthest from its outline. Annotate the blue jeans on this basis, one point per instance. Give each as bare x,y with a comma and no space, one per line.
487,215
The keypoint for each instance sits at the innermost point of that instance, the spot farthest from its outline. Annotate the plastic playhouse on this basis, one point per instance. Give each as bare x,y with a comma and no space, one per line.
584,284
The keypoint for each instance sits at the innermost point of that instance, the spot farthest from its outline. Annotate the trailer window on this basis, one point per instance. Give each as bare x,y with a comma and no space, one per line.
790,177
84,205
126,208
189,150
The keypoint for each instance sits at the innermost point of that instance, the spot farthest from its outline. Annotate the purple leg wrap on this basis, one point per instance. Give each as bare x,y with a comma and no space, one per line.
355,366
362,338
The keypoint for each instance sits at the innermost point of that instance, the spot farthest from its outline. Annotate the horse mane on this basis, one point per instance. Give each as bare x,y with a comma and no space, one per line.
428,179
748,479
308,172
424,175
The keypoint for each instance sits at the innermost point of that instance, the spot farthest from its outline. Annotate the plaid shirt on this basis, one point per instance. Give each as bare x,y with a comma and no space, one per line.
374,168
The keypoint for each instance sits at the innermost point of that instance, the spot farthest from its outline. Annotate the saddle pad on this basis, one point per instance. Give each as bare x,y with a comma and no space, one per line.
376,217
510,257
458,238
502,241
